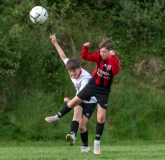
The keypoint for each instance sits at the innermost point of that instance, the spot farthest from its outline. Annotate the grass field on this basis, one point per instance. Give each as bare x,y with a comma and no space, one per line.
61,151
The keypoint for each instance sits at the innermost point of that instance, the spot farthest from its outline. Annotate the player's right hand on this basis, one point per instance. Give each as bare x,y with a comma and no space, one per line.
87,44
53,38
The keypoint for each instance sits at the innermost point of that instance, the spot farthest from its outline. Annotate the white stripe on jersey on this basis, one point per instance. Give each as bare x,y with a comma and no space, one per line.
81,81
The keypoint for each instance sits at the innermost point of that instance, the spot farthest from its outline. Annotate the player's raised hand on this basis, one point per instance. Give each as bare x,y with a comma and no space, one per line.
53,38
87,44
112,52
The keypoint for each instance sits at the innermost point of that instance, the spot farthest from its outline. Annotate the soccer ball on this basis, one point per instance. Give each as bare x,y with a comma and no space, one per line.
38,15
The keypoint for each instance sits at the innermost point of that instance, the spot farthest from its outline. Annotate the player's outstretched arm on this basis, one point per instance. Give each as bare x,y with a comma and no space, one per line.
58,48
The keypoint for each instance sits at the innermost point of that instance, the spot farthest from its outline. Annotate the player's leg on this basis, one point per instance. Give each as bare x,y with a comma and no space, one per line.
102,98
84,134
99,128
74,125
88,109
65,109
101,112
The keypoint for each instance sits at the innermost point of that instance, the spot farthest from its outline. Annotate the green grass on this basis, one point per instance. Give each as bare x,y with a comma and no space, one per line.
61,151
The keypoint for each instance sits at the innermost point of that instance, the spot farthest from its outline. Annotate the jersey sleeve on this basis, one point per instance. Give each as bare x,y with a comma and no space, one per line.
65,61
93,57
115,63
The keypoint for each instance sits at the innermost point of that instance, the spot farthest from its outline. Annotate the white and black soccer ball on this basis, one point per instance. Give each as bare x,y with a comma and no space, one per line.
38,15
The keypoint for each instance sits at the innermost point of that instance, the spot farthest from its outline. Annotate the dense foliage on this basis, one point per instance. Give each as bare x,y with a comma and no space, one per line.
30,69
137,27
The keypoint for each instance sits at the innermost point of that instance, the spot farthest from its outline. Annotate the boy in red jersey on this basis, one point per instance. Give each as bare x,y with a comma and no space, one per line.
107,66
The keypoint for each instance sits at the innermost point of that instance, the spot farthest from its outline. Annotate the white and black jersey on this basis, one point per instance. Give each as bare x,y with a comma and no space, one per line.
81,82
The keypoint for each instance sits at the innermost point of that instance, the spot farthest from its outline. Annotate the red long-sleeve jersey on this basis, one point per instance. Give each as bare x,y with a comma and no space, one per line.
105,70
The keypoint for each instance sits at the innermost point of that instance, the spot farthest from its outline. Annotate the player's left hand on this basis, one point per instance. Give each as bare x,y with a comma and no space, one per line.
112,52
66,99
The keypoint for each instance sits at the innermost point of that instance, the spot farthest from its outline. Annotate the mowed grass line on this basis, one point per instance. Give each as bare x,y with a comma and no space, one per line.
61,151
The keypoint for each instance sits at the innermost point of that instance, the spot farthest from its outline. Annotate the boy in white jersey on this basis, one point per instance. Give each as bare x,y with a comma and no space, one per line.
84,110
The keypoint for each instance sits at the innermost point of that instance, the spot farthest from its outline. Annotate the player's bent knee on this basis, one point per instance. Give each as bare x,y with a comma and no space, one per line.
82,129
101,119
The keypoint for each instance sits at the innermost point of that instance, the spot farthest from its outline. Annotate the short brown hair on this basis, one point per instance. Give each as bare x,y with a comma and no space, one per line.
72,64
107,43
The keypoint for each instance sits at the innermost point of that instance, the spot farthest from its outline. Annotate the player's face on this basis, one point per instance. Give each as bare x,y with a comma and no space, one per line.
74,73
105,53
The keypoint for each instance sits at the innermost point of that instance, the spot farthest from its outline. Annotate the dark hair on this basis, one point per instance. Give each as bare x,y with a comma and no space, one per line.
107,43
72,64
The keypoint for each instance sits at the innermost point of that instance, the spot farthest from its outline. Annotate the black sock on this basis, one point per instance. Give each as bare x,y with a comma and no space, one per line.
84,138
99,130
63,111
74,127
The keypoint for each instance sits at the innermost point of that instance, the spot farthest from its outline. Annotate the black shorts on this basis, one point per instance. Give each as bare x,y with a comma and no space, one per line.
91,89
88,108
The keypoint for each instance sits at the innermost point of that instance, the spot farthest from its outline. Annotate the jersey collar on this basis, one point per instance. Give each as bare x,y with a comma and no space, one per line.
79,73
